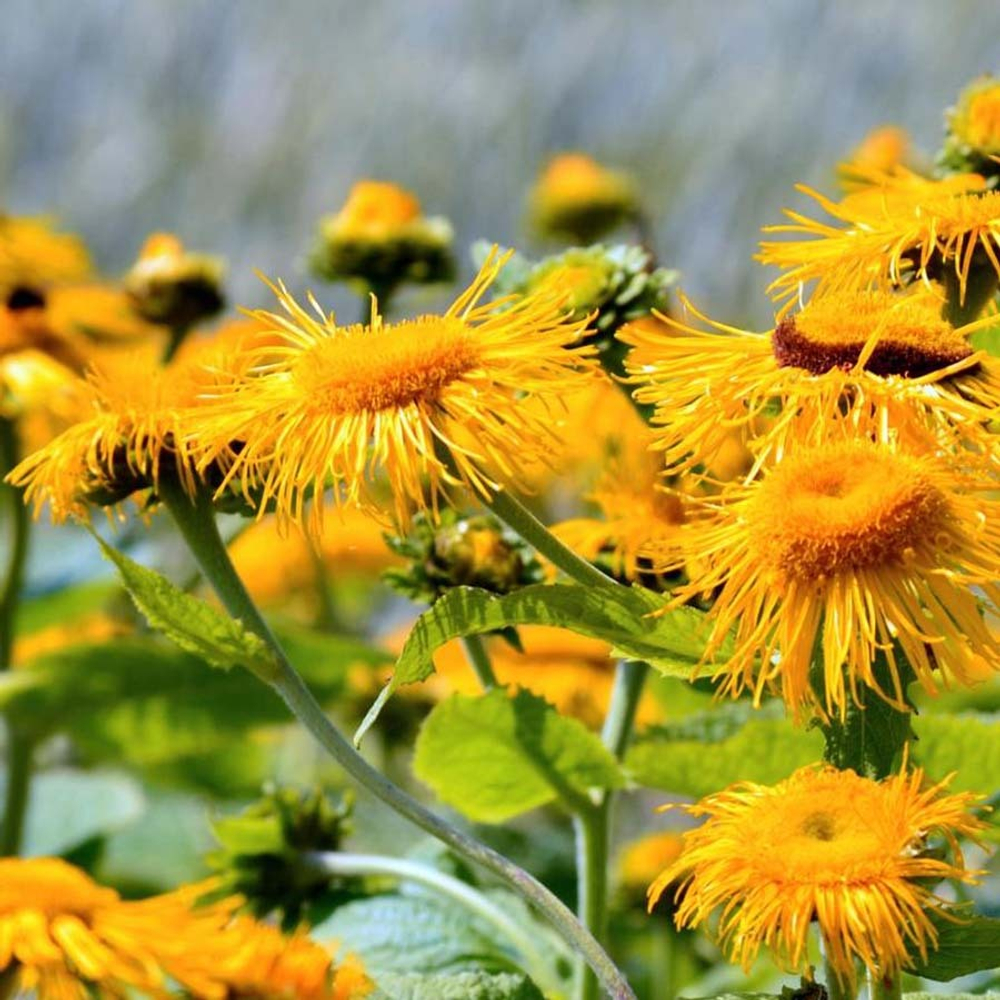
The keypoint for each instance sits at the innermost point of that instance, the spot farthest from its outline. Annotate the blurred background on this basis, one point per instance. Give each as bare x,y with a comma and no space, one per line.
237,124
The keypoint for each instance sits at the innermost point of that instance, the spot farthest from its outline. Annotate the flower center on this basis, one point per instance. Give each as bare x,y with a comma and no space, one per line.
843,508
982,128
820,826
364,370
49,886
913,339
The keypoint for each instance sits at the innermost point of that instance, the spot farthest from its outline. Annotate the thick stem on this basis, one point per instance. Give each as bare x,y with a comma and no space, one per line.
518,518
20,751
196,522
591,830
479,660
335,863
17,541
980,287
884,987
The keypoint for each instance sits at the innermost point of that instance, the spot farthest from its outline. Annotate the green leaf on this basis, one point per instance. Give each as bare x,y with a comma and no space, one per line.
460,986
495,756
188,621
966,744
415,934
622,616
69,806
987,339
705,753
952,996
964,947
64,605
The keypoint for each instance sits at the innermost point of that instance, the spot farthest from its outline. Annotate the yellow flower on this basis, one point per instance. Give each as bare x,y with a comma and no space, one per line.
95,628
33,255
900,227
171,285
824,845
136,429
102,314
63,935
276,566
852,545
638,512
577,198
902,365
642,860
254,960
882,150
341,403
974,122
572,672
380,237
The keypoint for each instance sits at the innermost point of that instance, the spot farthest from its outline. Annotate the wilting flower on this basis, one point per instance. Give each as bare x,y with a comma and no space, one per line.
901,227
856,547
64,935
874,358
172,285
34,255
852,854
337,404
577,199
381,238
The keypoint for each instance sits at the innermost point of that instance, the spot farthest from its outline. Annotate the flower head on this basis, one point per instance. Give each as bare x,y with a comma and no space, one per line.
34,255
339,404
856,546
882,149
876,359
824,845
973,138
899,227
380,238
578,199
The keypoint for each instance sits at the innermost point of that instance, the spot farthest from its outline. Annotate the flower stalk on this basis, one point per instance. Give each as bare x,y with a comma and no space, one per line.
196,522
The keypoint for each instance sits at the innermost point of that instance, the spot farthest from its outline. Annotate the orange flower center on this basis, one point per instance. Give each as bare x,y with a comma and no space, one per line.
843,508
361,369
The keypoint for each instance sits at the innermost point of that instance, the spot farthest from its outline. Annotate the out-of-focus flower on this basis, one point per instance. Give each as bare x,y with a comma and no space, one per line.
973,128
882,150
876,359
573,672
93,628
849,548
578,200
852,854
34,255
341,403
642,860
380,238
174,286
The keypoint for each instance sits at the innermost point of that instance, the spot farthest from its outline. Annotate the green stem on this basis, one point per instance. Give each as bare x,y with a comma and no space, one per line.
196,522
518,518
884,988
591,830
980,287
593,827
537,965
17,551
20,751
479,660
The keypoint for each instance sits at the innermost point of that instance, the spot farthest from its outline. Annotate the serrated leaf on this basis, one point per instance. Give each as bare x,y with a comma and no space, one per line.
706,753
494,756
622,616
964,947
966,744
459,986
415,934
190,622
